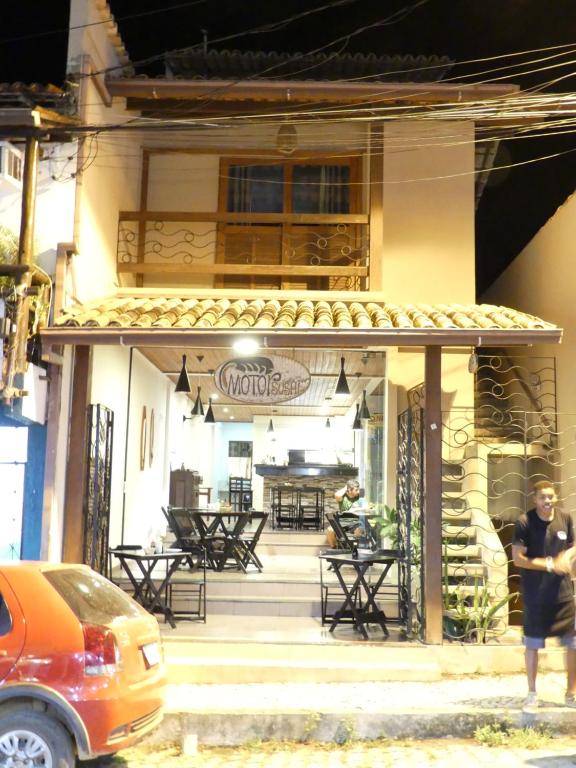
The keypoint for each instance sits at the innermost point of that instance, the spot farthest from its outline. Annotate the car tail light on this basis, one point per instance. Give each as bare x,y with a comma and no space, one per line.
101,655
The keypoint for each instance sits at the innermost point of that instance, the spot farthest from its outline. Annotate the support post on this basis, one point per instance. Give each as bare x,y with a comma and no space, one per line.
376,207
73,540
433,496
17,355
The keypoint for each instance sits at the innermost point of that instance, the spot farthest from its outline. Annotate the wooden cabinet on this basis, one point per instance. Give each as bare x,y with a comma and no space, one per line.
184,488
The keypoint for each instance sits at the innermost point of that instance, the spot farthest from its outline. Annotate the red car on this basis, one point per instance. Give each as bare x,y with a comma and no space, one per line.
81,669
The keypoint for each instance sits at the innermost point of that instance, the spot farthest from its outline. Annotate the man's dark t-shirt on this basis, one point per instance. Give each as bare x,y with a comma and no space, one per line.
543,591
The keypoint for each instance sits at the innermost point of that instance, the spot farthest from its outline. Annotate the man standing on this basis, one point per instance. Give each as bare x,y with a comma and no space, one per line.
542,547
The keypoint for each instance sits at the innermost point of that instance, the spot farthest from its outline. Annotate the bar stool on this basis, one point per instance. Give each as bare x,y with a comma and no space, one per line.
310,504
284,506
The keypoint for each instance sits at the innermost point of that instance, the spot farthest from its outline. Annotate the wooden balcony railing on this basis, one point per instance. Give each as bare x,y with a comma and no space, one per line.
312,251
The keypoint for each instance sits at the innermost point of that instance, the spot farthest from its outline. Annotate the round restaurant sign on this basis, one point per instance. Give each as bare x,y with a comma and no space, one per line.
262,379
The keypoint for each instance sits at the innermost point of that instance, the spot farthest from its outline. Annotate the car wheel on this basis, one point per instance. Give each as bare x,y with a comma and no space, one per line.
29,739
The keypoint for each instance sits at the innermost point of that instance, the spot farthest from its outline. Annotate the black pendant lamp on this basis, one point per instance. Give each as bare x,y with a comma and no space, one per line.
270,426
328,425
183,385
209,418
342,387
357,422
198,409
364,412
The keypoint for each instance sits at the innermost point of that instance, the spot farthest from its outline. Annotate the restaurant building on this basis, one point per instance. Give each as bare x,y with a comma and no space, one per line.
326,220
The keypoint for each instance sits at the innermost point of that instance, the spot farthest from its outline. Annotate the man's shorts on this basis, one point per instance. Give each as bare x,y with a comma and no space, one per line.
535,643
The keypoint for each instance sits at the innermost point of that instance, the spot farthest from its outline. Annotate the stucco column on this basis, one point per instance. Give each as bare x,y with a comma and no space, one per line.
433,496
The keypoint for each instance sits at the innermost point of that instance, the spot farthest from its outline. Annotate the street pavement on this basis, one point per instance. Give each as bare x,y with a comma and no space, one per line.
445,753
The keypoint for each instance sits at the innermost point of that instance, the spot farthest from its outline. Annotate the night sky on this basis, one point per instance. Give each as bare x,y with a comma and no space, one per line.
515,203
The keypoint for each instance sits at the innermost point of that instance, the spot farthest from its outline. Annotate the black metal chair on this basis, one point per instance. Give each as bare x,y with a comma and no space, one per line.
284,507
250,540
344,538
182,526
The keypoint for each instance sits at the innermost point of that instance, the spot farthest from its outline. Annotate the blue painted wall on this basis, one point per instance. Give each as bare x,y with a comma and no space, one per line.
33,479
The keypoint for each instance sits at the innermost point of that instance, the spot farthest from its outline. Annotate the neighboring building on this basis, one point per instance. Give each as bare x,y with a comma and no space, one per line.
328,218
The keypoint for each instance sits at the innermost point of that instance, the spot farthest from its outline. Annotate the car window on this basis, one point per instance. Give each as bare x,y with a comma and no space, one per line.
5,618
91,597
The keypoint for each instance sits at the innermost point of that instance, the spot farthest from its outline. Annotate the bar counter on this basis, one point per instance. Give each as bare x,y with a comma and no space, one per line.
330,477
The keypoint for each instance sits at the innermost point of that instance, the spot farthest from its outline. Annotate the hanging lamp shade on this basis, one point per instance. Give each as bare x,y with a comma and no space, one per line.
198,409
270,426
342,387
328,425
364,411
209,418
183,385
357,422
286,139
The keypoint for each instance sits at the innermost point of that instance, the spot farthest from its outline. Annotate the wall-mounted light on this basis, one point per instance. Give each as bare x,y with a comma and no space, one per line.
183,385
209,418
473,362
198,409
357,421
342,387
287,139
246,346
364,411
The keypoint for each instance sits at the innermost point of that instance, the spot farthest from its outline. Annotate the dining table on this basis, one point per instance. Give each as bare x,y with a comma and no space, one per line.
360,592
139,566
220,533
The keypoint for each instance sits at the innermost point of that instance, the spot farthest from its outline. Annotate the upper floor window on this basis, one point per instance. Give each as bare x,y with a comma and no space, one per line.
288,188
290,222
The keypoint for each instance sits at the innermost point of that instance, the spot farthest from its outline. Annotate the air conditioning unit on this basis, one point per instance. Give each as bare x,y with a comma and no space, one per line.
11,163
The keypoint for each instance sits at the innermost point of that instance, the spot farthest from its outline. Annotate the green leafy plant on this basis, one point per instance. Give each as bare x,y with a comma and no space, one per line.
502,734
469,617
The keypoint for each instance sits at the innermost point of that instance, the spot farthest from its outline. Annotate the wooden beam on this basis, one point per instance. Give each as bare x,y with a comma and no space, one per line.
376,233
433,495
292,270
142,221
245,218
73,543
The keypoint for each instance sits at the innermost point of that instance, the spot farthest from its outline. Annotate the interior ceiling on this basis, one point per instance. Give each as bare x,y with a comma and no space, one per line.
364,370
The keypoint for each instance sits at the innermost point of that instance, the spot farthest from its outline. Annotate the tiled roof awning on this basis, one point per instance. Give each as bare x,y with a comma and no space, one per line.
163,320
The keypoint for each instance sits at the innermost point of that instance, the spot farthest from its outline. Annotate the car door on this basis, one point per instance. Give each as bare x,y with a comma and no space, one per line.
12,629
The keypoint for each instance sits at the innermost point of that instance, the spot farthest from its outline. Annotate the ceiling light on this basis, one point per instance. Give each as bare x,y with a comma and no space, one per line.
198,409
246,346
342,387
225,410
357,423
364,411
270,426
328,425
183,385
209,418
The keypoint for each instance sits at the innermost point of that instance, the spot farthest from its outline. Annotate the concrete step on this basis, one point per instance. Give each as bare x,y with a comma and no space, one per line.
459,533
464,569
286,606
456,516
190,661
462,551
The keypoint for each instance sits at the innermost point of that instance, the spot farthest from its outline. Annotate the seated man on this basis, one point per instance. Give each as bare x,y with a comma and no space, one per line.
351,512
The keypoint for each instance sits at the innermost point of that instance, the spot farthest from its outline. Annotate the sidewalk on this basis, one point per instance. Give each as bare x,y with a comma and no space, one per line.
337,712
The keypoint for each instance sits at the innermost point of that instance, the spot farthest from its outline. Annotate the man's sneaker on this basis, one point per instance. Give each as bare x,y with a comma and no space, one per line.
531,702
570,700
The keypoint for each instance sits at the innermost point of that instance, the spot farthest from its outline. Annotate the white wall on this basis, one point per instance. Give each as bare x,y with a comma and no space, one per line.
54,214
108,169
428,210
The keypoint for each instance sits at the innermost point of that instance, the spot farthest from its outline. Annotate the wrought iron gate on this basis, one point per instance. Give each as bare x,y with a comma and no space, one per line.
409,499
98,482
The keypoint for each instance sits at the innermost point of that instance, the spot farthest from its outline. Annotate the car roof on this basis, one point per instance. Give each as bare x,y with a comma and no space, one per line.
39,565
